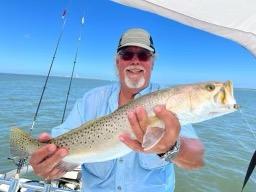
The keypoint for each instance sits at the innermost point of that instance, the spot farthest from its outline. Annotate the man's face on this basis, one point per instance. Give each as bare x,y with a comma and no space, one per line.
134,66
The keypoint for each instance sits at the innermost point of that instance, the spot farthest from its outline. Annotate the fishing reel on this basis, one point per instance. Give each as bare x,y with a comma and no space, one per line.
20,163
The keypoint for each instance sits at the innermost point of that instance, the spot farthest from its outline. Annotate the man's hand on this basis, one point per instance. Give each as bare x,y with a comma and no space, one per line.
191,150
45,160
139,122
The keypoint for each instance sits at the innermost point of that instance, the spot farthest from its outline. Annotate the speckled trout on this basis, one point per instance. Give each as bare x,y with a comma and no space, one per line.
98,140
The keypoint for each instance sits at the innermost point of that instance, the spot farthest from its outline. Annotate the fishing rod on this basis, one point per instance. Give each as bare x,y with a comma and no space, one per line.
249,171
64,19
23,161
15,184
252,163
74,64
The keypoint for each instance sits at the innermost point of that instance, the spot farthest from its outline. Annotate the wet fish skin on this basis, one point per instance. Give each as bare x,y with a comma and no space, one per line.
97,140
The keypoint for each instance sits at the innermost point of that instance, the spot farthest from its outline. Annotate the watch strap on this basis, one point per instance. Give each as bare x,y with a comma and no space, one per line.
172,153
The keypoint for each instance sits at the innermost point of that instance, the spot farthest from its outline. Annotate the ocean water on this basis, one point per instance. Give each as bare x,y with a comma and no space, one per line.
228,140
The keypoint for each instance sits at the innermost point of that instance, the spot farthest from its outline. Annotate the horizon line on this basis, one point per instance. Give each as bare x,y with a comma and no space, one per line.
62,76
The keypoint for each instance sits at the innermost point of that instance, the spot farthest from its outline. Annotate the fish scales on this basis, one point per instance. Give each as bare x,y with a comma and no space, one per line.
104,129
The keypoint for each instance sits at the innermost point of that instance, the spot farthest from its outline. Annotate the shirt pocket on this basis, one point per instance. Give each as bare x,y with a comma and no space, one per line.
101,170
151,161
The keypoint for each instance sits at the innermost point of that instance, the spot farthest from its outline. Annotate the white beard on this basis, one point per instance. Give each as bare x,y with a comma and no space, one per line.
134,84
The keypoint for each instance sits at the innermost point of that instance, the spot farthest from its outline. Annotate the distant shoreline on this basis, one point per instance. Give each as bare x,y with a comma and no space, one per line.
57,76
87,78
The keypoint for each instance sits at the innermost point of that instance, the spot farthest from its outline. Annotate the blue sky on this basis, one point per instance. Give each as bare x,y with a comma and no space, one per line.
29,31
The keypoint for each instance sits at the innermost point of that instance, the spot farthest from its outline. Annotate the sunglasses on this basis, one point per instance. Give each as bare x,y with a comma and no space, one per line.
129,55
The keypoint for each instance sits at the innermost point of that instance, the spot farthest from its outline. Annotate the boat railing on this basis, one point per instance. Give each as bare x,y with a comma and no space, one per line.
15,185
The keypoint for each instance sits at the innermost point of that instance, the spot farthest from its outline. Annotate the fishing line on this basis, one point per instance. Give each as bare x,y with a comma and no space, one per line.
247,123
74,64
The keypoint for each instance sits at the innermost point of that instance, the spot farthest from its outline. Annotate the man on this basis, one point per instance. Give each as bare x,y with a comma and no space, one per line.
139,170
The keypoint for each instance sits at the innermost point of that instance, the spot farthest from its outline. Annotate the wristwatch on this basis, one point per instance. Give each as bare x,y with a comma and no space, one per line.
172,153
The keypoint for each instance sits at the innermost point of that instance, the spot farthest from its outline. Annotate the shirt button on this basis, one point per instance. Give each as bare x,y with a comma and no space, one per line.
119,188
121,160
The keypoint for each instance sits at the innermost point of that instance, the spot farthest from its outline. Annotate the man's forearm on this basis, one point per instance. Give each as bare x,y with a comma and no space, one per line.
191,154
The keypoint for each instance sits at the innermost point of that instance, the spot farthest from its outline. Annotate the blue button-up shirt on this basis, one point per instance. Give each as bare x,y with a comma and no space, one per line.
133,172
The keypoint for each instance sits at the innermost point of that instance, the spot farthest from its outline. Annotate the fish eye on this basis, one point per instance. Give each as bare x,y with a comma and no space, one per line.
210,87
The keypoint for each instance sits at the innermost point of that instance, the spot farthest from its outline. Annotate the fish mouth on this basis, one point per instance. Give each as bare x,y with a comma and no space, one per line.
233,107
236,106
225,110
225,96
229,95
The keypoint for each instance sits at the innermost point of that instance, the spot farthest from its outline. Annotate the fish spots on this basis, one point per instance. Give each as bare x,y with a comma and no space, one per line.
110,131
89,135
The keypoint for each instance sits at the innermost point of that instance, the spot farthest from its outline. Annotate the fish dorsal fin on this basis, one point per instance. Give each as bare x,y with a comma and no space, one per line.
154,133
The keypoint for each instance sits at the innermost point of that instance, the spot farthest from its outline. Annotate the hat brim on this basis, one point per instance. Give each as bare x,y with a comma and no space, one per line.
137,45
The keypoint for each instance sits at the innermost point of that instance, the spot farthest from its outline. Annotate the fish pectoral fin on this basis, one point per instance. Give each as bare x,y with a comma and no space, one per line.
67,166
154,133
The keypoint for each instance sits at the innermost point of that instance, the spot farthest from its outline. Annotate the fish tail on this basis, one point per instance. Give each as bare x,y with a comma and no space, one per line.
21,143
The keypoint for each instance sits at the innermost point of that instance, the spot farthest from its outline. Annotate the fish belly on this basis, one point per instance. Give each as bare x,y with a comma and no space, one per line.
101,155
